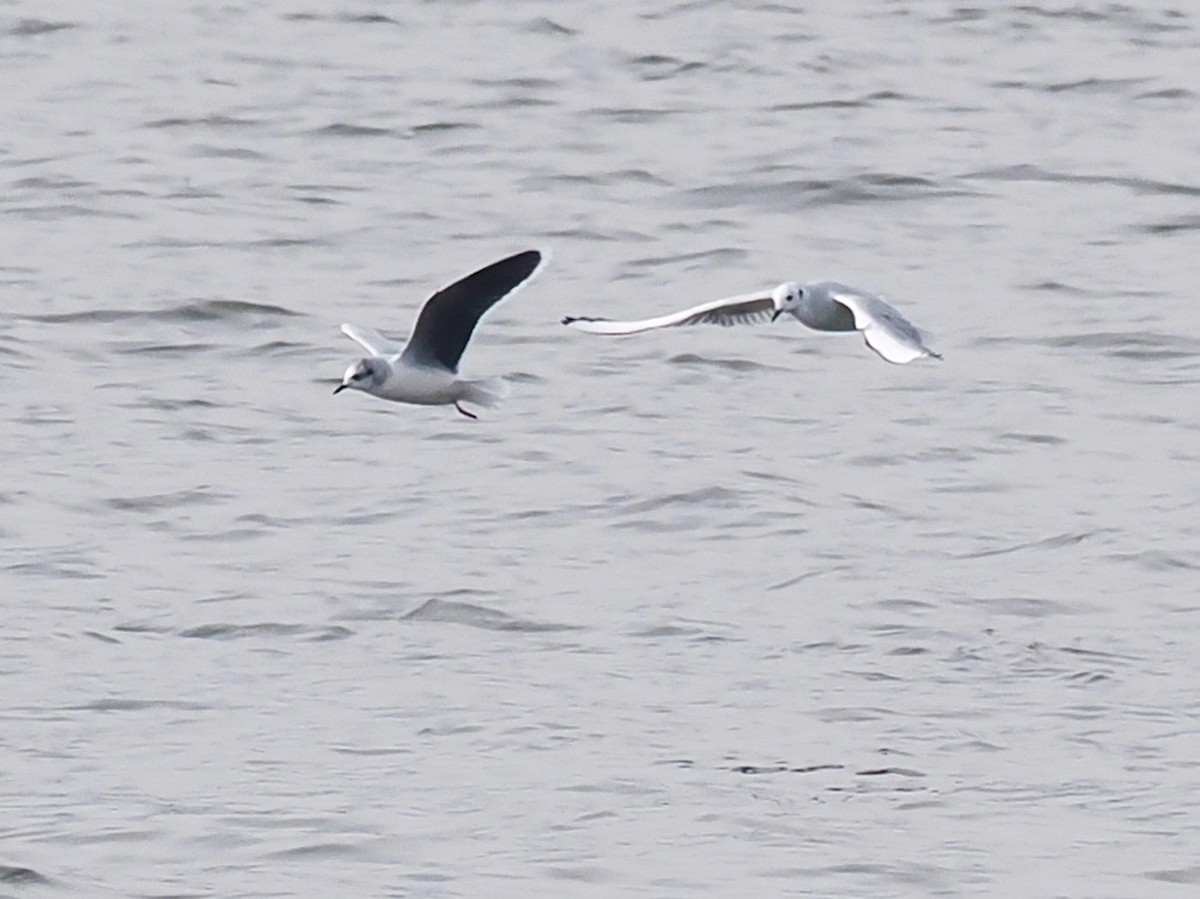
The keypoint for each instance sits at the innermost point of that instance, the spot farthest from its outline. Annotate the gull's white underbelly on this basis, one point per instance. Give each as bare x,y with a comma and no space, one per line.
424,386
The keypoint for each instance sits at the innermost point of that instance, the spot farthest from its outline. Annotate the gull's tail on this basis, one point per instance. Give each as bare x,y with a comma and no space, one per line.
488,393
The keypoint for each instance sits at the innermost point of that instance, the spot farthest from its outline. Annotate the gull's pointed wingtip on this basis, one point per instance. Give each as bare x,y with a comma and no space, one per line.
542,256
525,265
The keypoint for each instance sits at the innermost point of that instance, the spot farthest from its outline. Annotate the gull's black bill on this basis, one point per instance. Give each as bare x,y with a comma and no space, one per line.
776,314
339,389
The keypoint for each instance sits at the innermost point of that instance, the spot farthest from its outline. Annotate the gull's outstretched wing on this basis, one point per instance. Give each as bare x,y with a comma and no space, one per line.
371,341
750,307
448,318
885,330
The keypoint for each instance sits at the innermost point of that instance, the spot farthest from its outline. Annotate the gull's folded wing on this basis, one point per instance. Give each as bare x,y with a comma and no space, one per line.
885,330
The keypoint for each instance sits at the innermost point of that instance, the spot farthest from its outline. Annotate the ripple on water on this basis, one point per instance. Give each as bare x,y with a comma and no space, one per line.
17,876
871,188
447,611
194,311
198,496
268,629
1029,172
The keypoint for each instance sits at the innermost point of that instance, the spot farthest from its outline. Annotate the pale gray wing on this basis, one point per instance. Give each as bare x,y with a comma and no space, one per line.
744,309
885,330
371,341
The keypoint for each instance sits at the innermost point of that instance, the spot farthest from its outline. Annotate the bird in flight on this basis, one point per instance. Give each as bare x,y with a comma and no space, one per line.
425,370
821,305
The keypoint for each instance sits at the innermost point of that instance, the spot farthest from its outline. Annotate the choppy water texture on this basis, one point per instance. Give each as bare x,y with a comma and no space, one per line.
723,612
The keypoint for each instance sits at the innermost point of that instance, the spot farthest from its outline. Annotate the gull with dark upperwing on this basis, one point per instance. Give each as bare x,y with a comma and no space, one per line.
425,370
821,305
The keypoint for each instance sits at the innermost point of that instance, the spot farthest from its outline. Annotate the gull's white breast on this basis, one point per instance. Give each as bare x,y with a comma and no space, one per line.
419,384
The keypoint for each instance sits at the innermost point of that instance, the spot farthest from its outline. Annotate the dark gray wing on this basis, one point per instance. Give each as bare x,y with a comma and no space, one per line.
448,318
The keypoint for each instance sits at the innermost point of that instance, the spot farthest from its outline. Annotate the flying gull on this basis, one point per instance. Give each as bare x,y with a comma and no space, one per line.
821,305
425,370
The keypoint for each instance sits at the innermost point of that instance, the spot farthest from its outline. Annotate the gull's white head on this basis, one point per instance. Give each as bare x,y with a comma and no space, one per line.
786,297
366,374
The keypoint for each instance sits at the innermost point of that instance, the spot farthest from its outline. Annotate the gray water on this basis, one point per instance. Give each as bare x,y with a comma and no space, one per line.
708,612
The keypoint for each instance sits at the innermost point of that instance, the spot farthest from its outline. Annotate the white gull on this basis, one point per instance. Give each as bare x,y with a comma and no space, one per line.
821,305
425,370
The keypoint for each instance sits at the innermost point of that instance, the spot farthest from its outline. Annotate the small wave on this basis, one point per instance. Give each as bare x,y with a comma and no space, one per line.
792,581
1156,560
277,243
1176,875
634,115
34,27
868,100
448,611
138,705
371,18
154,502
1028,606
215,121
654,67
1084,85
1029,172
550,27
52,212
1044,439
1169,93
633,178
342,18
273,348
739,365
343,129
440,127
13,353
266,629
1058,287
513,103
715,496
689,261
52,182
783,768
171,350
1056,542
801,193
209,151
318,850
1182,224
196,311
65,566
1144,345
10,874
